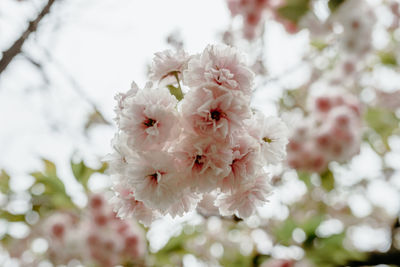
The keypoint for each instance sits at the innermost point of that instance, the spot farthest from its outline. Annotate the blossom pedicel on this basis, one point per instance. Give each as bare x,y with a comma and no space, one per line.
189,132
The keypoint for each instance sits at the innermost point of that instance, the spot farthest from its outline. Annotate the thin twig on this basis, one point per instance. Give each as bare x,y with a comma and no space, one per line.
15,48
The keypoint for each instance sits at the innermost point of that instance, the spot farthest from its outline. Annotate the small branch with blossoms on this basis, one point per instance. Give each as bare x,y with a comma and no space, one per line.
190,133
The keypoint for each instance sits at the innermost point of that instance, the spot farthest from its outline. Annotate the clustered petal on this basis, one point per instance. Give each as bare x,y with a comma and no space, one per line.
171,155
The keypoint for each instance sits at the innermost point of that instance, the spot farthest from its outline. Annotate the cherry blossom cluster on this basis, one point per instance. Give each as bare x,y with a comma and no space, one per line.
332,132
110,240
352,29
254,12
191,131
97,238
355,28
388,100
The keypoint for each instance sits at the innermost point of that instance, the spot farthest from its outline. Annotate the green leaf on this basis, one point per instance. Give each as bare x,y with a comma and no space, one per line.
175,91
4,182
54,195
284,233
50,168
173,251
319,45
12,217
383,122
312,223
328,180
305,177
82,172
388,58
175,244
294,10
237,260
334,4
331,252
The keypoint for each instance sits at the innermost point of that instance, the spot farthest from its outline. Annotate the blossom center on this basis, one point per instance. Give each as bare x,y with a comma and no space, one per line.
267,140
154,177
198,160
149,122
215,115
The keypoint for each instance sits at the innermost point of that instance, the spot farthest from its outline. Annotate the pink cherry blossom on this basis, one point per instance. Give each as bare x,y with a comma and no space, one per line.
254,13
356,37
211,110
168,155
389,100
167,64
93,237
272,134
203,161
109,239
244,201
186,203
221,65
245,162
332,132
122,101
149,118
206,206
154,180
126,206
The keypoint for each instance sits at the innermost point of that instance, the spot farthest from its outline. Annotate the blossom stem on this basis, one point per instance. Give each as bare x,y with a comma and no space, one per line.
179,84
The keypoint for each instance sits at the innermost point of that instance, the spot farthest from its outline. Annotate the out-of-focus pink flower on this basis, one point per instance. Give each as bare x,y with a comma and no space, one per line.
388,100
112,241
254,13
94,237
332,132
356,37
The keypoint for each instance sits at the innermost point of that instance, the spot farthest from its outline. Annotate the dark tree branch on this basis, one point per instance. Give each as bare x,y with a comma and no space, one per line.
15,49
